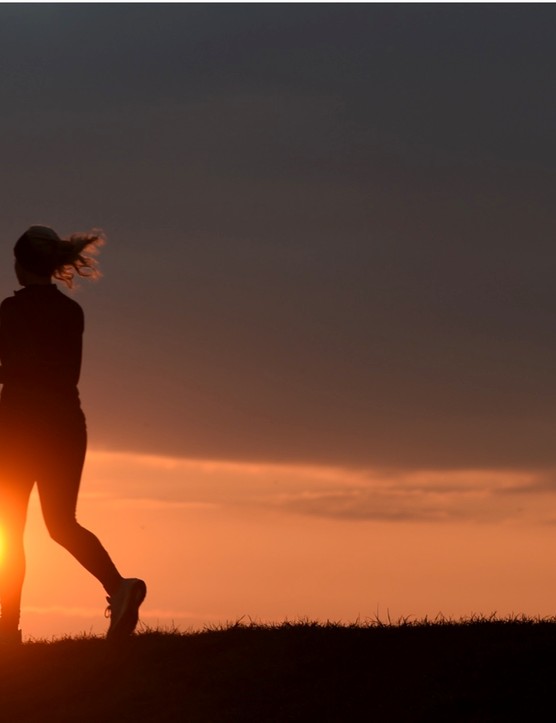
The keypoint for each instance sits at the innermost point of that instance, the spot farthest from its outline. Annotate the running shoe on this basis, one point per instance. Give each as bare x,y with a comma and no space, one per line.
123,608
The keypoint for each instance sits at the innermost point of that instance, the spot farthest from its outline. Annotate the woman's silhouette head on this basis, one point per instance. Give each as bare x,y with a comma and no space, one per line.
42,254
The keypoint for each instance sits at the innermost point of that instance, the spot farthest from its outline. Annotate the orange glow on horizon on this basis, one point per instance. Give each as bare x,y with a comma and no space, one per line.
274,542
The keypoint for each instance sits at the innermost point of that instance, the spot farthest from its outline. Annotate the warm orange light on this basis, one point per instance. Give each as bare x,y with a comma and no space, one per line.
272,542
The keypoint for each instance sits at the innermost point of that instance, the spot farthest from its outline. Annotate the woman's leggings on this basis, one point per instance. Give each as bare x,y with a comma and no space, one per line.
55,462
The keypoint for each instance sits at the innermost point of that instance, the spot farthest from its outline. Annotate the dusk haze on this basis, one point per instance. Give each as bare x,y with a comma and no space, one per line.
319,364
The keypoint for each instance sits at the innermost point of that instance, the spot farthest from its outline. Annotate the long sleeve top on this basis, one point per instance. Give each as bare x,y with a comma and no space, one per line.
41,331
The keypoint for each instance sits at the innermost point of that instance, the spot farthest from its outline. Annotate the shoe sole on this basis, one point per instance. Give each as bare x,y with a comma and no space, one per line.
129,617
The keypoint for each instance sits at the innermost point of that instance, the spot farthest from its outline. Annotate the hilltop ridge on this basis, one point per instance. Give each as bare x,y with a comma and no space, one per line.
475,670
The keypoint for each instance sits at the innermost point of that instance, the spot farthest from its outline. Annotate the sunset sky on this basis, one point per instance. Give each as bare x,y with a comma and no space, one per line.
319,367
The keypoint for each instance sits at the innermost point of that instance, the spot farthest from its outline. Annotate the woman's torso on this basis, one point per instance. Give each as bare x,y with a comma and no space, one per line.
41,331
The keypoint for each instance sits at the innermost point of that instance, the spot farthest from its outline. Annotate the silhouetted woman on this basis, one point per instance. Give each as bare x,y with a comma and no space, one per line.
43,435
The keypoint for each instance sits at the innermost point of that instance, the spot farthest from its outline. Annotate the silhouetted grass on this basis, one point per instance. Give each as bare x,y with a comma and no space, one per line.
481,669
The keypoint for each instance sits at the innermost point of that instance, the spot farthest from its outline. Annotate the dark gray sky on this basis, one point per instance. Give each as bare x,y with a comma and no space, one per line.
331,227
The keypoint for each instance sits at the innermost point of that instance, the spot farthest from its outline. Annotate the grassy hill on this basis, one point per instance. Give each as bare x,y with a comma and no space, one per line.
476,670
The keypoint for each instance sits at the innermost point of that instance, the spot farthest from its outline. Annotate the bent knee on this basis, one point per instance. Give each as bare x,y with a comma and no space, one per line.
63,532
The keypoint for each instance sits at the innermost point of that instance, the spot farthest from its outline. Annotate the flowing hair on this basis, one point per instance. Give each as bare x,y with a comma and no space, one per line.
41,251
77,256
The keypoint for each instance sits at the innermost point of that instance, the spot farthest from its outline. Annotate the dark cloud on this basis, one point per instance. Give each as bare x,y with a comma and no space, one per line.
372,508
331,227
405,500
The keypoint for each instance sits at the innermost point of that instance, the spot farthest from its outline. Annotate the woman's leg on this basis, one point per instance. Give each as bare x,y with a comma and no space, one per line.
14,499
58,487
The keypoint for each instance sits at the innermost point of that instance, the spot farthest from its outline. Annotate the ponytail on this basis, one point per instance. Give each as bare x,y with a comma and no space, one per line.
72,259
